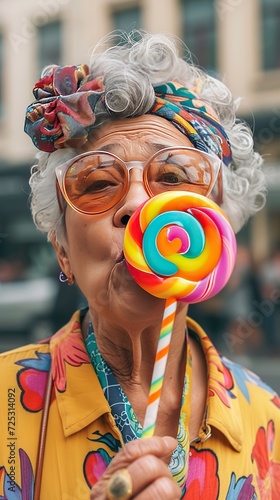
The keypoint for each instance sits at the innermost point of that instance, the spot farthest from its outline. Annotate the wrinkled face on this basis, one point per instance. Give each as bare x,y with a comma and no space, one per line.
94,248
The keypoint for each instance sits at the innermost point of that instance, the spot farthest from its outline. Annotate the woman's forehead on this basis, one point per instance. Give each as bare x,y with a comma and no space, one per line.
143,131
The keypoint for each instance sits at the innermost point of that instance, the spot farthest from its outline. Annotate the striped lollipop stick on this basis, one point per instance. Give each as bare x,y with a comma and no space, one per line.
159,367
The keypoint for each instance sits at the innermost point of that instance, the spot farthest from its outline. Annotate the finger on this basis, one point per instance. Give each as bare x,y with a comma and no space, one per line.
160,447
163,488
146,470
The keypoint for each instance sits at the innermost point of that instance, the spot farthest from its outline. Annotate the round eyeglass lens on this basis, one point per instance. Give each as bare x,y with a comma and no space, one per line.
96,182
185,170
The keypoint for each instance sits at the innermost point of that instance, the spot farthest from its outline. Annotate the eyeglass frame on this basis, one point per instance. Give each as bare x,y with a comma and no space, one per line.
60,172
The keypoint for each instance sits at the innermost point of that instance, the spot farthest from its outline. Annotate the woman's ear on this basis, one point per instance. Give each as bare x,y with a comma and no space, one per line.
61,256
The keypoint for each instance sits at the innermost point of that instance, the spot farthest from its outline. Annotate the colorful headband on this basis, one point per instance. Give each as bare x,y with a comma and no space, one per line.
68,103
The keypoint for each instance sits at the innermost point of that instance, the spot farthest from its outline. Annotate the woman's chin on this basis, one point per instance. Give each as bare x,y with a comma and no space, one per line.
138,308
120,276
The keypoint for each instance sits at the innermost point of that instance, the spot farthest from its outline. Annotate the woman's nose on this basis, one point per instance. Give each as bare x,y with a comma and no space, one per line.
135,196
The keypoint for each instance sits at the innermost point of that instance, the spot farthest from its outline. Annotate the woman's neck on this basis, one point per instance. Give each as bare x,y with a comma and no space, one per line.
130,349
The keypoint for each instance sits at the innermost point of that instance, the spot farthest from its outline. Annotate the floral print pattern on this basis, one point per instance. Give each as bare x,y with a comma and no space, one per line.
243,377
11,489
32,381
67,347
268,478
220,377
96,462
241,489
203,480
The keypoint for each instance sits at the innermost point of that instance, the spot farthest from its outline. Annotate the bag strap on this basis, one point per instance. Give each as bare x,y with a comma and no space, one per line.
43,434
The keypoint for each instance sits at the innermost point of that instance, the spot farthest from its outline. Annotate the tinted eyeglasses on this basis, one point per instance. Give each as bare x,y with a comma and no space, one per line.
96,181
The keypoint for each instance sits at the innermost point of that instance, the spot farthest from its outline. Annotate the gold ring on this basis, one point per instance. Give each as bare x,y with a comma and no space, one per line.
119,487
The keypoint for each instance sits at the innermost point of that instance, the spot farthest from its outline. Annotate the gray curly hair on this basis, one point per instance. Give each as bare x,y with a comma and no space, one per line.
130,70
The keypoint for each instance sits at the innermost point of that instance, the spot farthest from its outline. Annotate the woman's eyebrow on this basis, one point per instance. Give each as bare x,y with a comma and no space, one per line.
153,145
108,147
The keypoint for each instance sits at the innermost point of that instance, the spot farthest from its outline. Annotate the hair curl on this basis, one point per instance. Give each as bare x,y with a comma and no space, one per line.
130,70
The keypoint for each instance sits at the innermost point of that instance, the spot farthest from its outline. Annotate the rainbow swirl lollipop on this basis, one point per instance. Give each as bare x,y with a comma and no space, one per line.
180,245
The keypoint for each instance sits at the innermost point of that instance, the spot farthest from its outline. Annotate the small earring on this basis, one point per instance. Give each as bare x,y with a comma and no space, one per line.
62,277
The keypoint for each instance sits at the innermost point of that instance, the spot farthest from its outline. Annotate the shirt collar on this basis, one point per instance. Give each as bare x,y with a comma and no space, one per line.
79,395
222,406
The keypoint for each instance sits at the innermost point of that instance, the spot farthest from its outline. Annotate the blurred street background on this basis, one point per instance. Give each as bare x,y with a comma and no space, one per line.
235,40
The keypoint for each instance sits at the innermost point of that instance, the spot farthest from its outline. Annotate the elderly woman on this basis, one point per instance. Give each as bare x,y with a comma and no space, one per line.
138,122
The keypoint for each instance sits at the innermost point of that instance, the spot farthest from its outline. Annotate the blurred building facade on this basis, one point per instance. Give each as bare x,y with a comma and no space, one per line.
236,40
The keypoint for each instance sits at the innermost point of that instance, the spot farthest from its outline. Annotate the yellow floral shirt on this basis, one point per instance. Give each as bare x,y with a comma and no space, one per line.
237,456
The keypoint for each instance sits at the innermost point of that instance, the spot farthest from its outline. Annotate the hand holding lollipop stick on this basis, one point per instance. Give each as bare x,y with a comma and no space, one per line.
177,246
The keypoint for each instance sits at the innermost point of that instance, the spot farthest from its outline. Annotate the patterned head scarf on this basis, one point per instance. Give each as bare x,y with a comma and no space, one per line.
68,106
